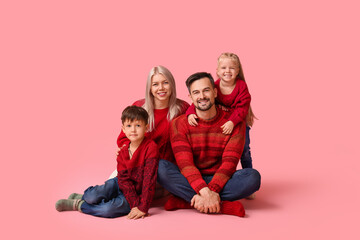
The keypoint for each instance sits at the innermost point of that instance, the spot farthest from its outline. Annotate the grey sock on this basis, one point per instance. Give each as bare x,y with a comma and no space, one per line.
67,205
75,196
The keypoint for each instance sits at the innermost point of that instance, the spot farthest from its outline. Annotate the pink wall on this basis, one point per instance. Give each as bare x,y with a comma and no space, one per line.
68,68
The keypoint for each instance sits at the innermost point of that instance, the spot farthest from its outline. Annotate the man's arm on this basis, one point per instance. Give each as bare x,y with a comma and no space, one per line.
230,158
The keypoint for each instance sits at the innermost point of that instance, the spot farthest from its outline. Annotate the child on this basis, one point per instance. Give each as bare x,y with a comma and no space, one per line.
131,192
232,95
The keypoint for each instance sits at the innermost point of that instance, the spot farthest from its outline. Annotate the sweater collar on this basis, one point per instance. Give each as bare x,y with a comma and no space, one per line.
219,114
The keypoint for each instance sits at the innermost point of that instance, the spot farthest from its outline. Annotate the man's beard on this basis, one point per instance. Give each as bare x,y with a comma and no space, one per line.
206,107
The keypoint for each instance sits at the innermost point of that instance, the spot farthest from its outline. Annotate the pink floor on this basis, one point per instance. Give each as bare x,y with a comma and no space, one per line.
69,68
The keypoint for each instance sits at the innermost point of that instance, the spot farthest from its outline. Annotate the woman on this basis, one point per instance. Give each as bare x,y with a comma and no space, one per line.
162,106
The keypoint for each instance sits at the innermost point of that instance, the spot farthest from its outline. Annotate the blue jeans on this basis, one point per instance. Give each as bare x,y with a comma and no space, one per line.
246,160
243,182
105,200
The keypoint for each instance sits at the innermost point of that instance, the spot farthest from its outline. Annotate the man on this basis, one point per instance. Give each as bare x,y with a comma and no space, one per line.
206,176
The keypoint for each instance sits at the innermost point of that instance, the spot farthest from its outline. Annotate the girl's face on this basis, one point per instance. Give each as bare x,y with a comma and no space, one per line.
227,70
160,88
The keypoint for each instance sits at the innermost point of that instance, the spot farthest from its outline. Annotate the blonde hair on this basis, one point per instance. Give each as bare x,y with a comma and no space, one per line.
174,103
250,117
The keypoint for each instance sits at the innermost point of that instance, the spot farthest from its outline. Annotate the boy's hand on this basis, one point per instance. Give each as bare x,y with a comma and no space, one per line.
192,120
227,127
135,213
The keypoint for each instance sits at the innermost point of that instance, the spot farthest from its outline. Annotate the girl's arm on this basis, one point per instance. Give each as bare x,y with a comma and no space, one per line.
241,104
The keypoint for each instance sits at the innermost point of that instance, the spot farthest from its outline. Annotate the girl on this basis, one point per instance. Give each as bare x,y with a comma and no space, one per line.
232,95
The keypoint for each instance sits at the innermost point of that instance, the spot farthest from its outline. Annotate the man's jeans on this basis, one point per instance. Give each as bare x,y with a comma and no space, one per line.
105,200
243,182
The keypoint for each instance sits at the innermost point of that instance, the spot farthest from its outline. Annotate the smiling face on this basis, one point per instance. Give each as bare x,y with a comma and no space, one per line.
203,94
160,88
227,70
134,130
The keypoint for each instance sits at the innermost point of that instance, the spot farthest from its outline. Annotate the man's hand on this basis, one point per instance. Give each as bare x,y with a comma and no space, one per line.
135,213
227,127
211,200
192,120
198,203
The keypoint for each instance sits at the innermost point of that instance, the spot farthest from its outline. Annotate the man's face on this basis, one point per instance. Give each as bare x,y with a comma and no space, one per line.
203,94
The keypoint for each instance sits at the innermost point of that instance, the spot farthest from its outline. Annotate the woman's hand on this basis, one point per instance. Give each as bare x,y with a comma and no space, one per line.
192,120
228,127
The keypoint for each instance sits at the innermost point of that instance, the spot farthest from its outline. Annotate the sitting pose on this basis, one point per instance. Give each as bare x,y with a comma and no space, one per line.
206,177
131,192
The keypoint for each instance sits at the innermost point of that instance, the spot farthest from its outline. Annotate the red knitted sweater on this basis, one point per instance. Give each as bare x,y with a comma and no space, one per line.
238,101
205,150
137,176
161,133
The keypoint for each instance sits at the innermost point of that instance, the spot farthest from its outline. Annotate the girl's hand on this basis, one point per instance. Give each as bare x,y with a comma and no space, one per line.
227,127
135,213
192,120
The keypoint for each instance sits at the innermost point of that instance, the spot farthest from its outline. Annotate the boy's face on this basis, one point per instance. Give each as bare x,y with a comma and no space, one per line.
134,130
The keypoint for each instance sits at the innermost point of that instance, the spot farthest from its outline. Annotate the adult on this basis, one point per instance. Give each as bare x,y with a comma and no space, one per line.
206,177
162,106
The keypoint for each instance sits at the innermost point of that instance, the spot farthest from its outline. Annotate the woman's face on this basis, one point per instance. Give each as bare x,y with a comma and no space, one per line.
160,88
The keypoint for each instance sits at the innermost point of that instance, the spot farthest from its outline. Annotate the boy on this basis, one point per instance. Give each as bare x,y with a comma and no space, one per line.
131,192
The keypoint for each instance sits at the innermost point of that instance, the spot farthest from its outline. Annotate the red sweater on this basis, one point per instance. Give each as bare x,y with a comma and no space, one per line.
205,150
238,101
161,133
137,176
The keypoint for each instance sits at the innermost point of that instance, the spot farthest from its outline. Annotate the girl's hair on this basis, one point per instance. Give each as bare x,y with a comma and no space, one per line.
174,103
250,117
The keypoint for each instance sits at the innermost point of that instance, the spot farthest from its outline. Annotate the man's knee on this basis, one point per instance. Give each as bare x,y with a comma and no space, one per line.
254,178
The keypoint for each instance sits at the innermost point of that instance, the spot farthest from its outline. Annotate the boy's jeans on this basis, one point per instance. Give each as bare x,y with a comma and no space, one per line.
105,200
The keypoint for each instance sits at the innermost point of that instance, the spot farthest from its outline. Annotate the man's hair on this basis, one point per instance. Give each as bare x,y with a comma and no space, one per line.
197,76
132,113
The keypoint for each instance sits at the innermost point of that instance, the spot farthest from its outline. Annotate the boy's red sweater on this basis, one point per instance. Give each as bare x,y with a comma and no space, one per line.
160,134
137,176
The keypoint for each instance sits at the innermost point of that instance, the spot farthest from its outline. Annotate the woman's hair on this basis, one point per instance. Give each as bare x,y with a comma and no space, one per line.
250,117
174,103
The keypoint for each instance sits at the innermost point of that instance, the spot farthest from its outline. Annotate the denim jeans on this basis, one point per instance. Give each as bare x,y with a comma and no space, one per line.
246,160
105,200
243,182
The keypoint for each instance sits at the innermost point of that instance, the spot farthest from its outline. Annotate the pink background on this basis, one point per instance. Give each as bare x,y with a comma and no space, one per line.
68,68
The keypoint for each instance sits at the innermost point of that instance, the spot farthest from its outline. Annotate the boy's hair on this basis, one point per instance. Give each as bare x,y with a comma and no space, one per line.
197,76
132,113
